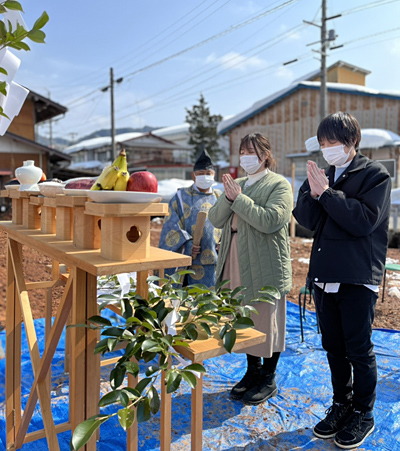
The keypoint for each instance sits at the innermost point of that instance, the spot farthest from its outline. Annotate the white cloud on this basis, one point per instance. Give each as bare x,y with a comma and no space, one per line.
237,61
284,73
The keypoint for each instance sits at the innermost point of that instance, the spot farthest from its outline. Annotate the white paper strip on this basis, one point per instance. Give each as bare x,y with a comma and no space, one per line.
10,63
14,17
15,99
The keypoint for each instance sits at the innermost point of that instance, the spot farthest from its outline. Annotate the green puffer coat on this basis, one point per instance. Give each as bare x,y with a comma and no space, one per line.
264,211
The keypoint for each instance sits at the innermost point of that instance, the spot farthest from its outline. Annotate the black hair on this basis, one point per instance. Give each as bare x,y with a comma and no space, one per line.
261,145
342,127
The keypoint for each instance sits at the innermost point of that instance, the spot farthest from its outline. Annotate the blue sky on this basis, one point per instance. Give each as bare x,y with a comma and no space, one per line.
85,38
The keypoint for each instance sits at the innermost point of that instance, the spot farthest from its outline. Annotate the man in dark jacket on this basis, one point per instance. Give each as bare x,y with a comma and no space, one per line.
347,207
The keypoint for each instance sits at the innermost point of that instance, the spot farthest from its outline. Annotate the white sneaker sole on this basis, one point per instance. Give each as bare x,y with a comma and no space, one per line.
356,445
324,436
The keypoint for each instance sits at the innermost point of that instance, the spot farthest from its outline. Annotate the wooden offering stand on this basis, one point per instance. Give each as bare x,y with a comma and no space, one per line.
124,247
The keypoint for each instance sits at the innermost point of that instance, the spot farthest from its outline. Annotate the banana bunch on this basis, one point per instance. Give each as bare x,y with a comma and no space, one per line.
114,177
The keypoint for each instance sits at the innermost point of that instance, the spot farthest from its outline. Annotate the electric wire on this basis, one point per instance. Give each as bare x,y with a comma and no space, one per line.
201,43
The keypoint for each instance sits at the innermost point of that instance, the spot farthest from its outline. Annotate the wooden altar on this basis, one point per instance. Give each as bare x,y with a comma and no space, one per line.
92,239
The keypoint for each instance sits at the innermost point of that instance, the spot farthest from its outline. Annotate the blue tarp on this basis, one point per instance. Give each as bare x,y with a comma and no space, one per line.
282,423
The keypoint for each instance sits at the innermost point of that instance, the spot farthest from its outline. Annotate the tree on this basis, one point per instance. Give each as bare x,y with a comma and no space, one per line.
13,36
203,129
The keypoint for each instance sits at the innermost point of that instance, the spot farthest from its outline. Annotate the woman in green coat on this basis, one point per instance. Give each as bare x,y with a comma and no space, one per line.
254,213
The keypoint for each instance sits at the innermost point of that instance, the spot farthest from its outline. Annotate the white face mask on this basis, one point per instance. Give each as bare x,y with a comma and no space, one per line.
204,181
250,163
336,155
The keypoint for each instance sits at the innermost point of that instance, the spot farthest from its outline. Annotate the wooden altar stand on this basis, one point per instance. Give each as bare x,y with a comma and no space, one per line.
125,247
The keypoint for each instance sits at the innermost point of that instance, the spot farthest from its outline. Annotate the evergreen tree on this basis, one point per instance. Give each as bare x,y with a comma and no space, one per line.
203,129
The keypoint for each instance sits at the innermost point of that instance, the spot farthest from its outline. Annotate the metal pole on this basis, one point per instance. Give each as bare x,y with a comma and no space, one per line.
112,113
323,92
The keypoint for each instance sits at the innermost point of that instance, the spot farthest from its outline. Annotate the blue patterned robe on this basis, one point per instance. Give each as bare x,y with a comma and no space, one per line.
178,230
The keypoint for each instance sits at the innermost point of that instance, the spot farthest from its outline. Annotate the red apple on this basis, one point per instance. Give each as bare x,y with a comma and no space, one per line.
43,178
142,181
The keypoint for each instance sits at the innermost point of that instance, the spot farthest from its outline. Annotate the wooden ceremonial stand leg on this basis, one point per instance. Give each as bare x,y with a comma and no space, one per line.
197,415
42,389
166,421
142,290
13,353
84,372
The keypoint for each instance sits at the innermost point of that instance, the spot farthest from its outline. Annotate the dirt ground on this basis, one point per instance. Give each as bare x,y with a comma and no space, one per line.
36,269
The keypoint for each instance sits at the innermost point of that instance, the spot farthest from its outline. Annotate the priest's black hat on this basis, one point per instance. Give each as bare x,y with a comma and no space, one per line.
203,161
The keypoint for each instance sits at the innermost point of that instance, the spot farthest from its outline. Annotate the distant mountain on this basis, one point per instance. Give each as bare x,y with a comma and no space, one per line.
118,131
61,143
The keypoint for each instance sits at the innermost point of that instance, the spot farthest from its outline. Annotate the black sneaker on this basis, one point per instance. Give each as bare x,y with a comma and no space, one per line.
248,381
263,390
355,431
335,419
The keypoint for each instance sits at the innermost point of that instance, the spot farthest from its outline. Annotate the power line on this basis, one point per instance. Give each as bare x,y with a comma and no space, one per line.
211,38
201,43
369,5
147,44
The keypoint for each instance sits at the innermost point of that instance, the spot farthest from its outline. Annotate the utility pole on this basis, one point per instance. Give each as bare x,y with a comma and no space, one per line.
324,41
112,113
324,91
106,88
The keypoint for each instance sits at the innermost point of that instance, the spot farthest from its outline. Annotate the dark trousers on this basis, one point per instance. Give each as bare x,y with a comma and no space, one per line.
346,321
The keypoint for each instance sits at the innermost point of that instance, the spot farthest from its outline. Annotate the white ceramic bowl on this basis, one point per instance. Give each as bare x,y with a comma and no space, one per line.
50,189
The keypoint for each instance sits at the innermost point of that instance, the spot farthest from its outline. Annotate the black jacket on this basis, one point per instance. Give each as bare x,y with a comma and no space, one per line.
350,223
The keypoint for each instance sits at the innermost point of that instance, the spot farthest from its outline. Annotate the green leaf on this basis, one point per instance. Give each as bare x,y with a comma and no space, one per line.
223,330
229,340
37,36
126,417
206,308
173,381
167,339
20,46
156,279
152,369
237,290
211,319
109,398
221,284
132,319
124,398
2,9
99,320
147,326
111,343
206,327
132,368
154,401
101,346
132,393
84,430
143,384
3,71
128,335
190,378
143,410
148,344
13,5
41,22
113,332
243,323
117,376
195,367
126,308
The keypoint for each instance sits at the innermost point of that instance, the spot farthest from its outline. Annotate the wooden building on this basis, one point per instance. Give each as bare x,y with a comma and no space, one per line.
291,116
19,142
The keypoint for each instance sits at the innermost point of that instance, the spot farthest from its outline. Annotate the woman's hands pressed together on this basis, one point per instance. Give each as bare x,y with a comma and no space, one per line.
317,179
232,188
